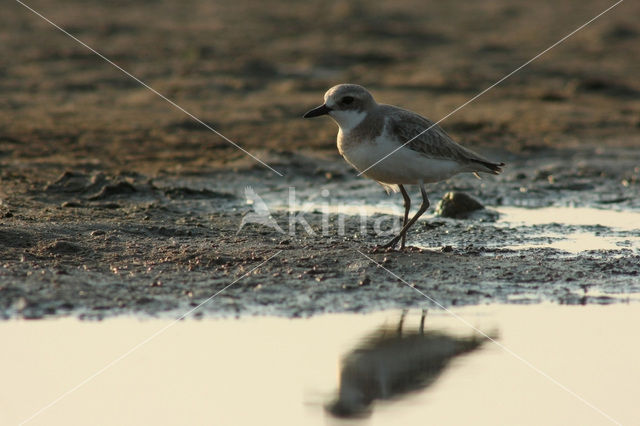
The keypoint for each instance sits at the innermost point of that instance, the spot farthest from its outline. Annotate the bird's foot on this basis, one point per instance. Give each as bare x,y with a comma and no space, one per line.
381,249
390,246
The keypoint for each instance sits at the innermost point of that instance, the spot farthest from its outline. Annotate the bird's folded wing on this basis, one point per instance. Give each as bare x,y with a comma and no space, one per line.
434,143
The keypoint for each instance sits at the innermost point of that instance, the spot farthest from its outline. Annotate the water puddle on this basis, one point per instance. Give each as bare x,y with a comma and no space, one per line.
382,368
567,229
570,230
574,230
577,242
576,216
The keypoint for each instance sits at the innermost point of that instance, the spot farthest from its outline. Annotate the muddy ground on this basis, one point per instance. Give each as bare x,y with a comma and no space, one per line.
113,201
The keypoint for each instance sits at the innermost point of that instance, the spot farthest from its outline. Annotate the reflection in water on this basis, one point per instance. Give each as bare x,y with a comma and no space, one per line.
273,370
391,362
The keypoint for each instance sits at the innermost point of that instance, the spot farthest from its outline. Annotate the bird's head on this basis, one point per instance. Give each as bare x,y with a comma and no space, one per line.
347,104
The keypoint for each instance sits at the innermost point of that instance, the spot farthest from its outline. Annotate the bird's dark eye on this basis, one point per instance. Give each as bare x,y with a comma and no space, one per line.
347,100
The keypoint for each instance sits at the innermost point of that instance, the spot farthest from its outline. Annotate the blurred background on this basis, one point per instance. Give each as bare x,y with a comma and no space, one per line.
251,68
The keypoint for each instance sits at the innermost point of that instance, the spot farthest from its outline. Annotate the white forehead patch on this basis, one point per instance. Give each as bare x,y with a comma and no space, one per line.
347,119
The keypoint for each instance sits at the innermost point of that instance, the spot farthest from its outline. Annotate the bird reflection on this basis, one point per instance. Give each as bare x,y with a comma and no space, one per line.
392,362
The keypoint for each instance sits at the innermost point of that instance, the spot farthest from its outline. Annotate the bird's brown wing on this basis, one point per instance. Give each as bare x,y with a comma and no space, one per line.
433,143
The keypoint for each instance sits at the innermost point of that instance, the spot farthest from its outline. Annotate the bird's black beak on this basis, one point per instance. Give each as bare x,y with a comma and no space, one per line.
316,112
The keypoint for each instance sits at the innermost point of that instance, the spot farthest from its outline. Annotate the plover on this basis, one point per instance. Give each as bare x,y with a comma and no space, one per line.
392,146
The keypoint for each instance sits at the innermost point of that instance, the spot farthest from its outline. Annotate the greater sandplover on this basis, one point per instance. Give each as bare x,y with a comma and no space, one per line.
392,146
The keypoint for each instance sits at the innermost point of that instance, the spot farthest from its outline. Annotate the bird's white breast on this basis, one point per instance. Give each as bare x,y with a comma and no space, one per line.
403,166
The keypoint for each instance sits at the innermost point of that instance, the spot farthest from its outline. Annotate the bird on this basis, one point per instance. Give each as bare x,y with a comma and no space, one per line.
260,214
396,147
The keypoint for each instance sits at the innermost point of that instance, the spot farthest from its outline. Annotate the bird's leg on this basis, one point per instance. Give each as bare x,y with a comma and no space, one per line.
424,315
401,323
423,207
407,206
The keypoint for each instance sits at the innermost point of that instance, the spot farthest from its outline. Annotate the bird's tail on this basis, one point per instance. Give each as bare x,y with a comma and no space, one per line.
489,167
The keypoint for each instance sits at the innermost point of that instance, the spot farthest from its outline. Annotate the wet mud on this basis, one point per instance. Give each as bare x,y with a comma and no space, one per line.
113,202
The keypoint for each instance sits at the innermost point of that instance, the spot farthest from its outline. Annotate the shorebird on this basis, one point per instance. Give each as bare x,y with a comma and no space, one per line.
396,147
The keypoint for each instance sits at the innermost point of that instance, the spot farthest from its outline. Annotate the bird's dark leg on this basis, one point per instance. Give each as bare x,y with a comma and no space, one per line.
424,315
423,207
401,323
407,206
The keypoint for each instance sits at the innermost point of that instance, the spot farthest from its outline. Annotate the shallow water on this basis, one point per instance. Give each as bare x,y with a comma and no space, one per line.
567,229
575,230
582,216
280,371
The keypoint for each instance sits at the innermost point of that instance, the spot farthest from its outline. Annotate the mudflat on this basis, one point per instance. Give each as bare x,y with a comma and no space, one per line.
114,201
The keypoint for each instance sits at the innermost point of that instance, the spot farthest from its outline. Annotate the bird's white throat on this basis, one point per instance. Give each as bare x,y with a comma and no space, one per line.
347,120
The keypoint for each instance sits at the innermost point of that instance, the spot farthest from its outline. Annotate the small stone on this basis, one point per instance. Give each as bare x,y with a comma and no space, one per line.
365,281
63,247
457,205
68,204
20,304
